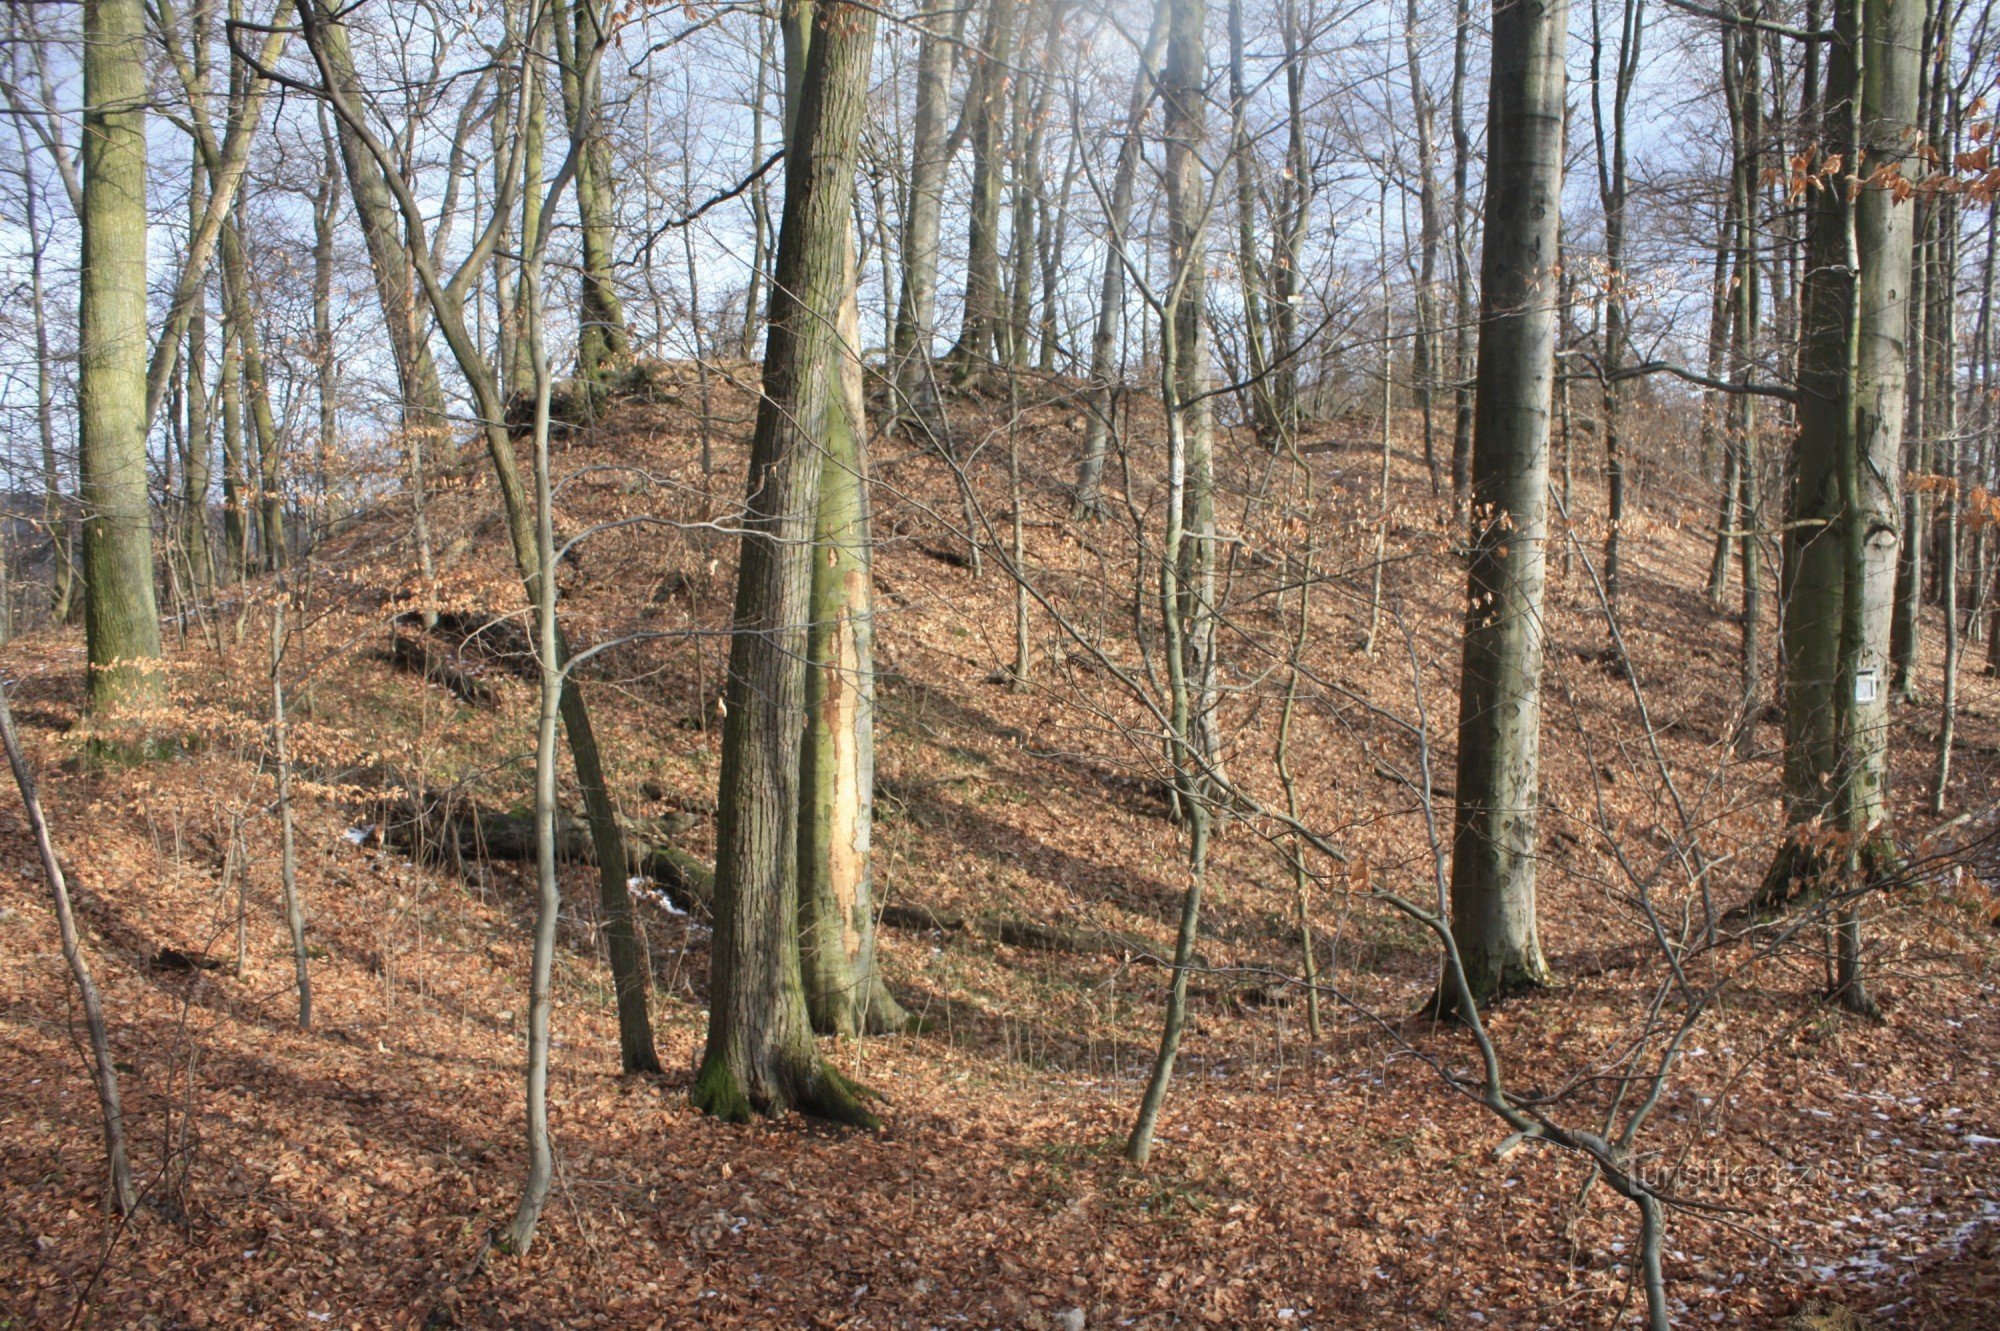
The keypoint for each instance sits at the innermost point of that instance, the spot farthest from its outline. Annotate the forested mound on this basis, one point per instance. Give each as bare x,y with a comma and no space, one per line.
1029,874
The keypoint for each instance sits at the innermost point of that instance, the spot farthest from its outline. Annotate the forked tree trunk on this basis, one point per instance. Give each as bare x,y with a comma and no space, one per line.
622,941
760,1057
1499,727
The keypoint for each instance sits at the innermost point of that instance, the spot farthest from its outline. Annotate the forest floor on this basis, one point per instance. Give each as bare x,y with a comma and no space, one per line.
351,1176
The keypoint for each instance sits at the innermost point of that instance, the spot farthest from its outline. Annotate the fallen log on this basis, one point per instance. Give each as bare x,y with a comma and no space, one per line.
438,665
1030,934
430,826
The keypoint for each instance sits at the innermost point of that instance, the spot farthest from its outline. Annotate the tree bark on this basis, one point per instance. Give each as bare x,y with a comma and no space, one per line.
760,1057
121,616
916,307
602,340
1613,190
985,107
1111,291
1499,727
1187,558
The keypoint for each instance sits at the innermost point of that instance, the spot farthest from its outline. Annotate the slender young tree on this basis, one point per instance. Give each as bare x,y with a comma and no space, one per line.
1613,191
1461,248
1427,345
446,300
1743,90
1499,728
1187,556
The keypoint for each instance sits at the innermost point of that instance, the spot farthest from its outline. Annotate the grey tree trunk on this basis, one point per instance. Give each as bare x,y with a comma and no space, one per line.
1869,477
121,615
980,333
760,1057
1111,291
1743,85
1461,231
1499,727
56,519
1844,527
1613,188
1187,557
1427,346
602,340
916,307
388,260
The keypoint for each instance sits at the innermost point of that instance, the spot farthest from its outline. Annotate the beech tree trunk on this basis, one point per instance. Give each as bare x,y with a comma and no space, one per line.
1499,727
1111,291
602,340
916,308
121,615
844,992
375,209
980,334
1613,190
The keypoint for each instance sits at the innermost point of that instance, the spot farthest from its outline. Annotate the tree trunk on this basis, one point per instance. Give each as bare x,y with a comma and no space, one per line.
1461,203
760,1057
1187,558
375,210
930,160
55,510
446,305
985,107
844,992
1243,155
601,337
1612,190
1427,345
1744,88
1111,292
1867,466
121,617
1499,727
